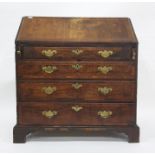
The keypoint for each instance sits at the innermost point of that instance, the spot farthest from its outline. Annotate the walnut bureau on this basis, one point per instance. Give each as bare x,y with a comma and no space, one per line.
76,76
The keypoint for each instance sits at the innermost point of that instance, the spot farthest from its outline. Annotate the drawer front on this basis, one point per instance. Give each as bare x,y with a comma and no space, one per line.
75,70
76,114
74,53
119,91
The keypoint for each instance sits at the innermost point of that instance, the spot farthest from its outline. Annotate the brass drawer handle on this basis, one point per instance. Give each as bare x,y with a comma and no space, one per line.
77,66
133,55
104,90
49,90
49,53
105,53
77,51
105,114
104,69
49,69
77,108
49,114
76,85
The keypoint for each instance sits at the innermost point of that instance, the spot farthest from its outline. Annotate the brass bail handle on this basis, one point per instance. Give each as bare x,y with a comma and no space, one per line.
104,90
105,53
19,52
105,114
49,90
49,53
49,113
49,69
104,69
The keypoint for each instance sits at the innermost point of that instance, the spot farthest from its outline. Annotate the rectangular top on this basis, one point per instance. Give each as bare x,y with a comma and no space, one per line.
76,30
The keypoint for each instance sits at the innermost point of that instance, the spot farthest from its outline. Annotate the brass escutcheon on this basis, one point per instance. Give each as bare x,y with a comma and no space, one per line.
76,66
76,85
77,108
77,51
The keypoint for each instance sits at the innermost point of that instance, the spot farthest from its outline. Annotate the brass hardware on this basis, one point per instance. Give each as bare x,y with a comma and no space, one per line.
77,66
105,53
76,85
49,113
133,55
104,114
49,69
18,52
104,90
49,53
77,51
49,90
77,108
104,69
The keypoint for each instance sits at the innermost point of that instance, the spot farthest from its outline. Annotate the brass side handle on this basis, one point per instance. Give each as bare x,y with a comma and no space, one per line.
19,52
133,55
49,69
49,90
76,85
105,114
49,114
77,66
104,69
49,53
77,51
105,53
104,90
77,108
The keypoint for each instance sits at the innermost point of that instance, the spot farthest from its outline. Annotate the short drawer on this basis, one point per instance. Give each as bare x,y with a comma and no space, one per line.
75,70
76,114
77,53
105,91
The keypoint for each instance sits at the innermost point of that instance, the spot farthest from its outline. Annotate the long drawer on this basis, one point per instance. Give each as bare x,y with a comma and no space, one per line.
75,70
106,91
75,53
76,114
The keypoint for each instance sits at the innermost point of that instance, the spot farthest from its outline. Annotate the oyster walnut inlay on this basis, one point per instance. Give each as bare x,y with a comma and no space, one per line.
76,76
